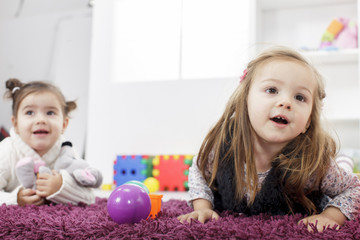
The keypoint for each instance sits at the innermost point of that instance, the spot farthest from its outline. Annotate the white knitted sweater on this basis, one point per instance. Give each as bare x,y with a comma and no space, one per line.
12,149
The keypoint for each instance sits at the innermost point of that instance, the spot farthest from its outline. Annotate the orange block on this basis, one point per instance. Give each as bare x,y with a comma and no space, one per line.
155,204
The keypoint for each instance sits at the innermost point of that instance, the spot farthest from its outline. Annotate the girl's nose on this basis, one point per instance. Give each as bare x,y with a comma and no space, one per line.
40,119
285,104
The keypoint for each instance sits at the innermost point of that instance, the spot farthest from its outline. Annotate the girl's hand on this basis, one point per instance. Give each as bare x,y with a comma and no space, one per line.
330,217
28,197
48,184
201,215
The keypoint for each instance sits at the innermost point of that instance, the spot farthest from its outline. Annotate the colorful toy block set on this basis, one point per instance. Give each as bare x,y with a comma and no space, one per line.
158,173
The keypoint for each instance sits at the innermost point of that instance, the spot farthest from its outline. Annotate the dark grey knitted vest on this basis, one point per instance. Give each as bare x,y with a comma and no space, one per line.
270,199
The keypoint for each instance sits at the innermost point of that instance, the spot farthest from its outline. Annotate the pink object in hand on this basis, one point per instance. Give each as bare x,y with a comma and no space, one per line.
37,164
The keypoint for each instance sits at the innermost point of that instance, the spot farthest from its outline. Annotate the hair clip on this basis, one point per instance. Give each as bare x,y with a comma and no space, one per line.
244,74
15,89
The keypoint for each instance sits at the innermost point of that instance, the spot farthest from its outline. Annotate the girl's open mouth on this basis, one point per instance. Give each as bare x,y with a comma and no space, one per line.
41,132
279,120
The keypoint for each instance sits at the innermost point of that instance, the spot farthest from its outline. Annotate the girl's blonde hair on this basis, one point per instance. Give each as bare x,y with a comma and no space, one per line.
306,156
17,91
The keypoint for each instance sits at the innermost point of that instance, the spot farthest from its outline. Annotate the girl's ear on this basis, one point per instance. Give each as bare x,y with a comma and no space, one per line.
14,123
65,124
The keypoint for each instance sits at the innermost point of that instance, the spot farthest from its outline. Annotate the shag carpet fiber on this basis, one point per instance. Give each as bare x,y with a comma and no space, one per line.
93,222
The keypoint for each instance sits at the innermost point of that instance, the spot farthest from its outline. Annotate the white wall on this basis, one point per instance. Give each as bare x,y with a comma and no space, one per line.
50,40
162,117
47,40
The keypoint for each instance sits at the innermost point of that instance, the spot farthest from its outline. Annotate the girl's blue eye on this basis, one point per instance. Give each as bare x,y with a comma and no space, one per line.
271,90
300,98
50,113
29,113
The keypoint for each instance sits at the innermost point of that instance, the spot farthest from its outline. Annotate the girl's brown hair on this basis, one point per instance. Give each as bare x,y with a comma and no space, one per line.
306,156
17,91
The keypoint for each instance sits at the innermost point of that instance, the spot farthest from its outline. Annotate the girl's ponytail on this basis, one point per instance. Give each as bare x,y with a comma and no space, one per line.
13,86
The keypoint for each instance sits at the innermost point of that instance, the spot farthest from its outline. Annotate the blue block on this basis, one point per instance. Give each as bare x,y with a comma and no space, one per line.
127,168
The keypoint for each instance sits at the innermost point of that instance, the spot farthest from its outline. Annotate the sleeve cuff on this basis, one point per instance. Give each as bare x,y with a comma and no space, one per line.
71,192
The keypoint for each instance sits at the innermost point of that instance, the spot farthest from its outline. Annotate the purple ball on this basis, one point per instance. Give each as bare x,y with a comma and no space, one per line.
128,204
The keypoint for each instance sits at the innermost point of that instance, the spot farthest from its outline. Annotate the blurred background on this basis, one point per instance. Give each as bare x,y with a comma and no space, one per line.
152,76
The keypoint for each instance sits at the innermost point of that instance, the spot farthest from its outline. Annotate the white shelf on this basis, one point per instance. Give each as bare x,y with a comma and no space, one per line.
333,56
300,24
286,4
341,104
345,117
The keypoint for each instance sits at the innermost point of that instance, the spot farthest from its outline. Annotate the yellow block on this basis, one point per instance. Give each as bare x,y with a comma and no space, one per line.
106,187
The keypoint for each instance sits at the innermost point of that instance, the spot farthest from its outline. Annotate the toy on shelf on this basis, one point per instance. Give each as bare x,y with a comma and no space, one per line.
341,33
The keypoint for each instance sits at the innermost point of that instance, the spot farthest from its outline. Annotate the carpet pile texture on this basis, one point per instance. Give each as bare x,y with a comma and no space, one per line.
93,222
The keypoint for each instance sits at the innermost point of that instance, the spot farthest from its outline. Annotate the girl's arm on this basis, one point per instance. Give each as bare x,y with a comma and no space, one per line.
71,192
28,197
7,195
198,187
9,198
330,217
201,197
48,183
9,185
344,189
202,212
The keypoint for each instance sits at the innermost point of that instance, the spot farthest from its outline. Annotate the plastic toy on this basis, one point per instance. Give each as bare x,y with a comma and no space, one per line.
127,168
341,33
140,184
128,203
155,204
171,171
152,184
106,187
348,38
161,172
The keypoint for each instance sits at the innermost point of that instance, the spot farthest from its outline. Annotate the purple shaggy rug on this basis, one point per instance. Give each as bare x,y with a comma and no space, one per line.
93,222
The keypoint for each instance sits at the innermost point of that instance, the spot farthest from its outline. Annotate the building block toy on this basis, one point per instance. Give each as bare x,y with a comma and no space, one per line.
155,204
130,167
341,33
152,184
172,171
147,161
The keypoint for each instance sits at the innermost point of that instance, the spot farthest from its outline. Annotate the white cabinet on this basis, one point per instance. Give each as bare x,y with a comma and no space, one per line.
301,24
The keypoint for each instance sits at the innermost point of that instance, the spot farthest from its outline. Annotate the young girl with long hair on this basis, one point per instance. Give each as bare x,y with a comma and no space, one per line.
268,153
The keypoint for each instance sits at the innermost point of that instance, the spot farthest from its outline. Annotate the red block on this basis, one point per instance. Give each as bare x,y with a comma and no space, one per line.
170,171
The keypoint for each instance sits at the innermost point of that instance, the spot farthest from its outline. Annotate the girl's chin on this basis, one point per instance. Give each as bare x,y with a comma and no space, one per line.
41,150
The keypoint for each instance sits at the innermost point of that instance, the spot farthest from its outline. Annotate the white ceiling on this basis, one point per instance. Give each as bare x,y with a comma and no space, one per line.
23,8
